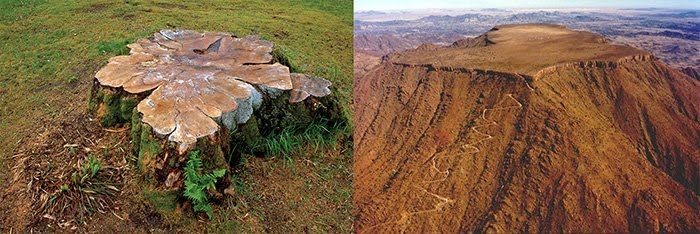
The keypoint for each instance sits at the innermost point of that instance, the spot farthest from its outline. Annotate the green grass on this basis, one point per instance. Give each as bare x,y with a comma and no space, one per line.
51,50
49,45
294,138
117,47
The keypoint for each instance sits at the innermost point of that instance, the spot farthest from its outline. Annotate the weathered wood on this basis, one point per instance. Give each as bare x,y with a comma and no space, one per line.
183,90
305,86
200,81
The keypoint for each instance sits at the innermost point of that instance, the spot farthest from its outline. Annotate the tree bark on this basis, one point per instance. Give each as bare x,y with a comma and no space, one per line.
182,91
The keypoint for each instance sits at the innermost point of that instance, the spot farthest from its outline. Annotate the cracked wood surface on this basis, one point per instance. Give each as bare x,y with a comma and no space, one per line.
197,78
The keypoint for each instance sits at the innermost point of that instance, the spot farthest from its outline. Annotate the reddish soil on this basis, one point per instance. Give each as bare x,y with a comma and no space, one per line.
364,62
537,128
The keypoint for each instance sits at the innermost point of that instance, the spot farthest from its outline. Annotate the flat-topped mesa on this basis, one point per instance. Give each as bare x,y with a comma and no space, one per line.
593,64
197,82
604,123
521,49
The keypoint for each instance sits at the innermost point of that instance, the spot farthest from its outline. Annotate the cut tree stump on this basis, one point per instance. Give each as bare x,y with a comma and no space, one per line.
183,90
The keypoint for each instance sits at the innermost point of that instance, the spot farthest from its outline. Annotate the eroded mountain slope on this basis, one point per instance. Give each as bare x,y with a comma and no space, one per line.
513,135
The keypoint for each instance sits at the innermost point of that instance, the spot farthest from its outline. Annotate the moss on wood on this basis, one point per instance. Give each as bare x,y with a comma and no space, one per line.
135,131
111,107
247,138
118,109
149,150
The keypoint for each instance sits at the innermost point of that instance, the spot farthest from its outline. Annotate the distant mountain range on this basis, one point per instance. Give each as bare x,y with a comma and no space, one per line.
671,35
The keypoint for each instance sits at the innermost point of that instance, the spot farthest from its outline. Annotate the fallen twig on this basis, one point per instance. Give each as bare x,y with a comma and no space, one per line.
115,130
115,214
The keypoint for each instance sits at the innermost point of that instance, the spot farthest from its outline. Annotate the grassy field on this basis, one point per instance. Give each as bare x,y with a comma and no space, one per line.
52,49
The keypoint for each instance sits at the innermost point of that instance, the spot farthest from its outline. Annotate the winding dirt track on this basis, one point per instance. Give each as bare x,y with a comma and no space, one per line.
444,148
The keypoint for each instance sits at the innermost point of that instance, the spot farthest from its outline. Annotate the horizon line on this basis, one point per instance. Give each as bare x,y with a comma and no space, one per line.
525,8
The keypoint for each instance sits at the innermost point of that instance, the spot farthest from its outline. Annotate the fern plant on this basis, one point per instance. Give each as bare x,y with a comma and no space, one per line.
196,184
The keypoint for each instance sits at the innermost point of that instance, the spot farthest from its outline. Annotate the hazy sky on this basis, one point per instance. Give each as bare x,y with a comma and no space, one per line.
363,5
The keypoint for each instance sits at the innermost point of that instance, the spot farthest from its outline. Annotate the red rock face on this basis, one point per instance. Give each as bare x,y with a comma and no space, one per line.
379,45
606,139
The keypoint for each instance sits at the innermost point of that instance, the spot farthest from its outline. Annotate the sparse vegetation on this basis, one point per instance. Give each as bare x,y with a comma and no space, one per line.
162,200
72,79
88,191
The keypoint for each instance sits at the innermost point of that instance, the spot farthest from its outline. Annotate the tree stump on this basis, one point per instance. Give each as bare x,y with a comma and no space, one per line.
183,90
